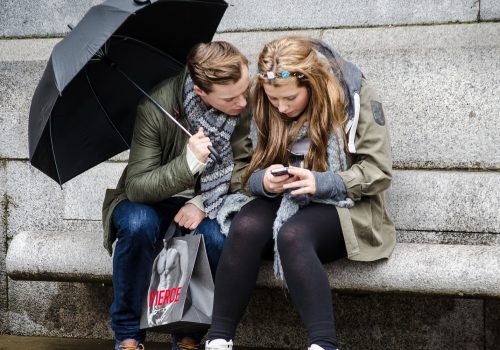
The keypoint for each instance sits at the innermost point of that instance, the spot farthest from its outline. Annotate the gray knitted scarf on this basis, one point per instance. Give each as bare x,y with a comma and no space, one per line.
218,126
291,205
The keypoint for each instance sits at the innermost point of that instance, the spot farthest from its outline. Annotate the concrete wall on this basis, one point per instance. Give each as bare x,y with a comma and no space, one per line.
435,65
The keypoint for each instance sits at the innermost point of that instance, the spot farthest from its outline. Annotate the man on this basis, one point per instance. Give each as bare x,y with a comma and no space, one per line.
171,177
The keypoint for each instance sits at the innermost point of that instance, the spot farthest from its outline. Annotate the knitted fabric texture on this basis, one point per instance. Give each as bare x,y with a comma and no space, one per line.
218,126
232,204
291,205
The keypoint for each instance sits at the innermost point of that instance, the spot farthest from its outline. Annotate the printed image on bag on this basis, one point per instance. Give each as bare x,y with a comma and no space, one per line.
167,278
181,289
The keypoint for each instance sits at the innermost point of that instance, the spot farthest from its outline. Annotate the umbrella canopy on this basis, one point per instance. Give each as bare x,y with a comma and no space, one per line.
83,110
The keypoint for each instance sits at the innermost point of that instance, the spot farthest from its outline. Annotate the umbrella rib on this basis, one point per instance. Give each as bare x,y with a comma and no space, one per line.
54,151
103,109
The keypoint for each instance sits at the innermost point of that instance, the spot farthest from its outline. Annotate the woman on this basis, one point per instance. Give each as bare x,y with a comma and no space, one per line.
316,113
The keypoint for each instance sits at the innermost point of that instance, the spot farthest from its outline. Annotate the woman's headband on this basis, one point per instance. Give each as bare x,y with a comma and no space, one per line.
281,75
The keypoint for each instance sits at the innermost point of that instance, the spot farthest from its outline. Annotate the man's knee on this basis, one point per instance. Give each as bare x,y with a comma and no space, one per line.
211,232
137,222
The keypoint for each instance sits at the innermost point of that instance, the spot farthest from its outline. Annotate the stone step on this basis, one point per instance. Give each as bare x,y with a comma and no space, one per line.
382,320
250,15
419,200
439,86
428,269
49,18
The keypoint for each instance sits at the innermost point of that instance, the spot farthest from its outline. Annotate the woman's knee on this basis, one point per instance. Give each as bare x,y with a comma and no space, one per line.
248,228
291,240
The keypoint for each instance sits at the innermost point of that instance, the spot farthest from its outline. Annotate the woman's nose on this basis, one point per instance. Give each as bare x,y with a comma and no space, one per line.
282,107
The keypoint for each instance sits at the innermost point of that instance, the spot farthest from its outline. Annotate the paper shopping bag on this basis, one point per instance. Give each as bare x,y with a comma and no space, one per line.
181,292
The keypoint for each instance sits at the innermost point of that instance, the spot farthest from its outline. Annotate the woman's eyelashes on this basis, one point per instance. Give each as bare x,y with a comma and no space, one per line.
290,98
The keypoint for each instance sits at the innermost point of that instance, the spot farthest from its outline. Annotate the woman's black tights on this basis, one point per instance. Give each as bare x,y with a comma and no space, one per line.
309,238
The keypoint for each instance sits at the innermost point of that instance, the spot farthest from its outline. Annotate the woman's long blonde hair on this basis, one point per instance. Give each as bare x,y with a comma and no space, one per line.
326,110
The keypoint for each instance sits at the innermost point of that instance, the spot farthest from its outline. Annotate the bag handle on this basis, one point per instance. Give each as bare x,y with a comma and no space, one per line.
175,230
172,231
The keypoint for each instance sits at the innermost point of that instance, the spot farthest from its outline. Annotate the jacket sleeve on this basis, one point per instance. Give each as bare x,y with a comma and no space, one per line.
371,170
329,185
242,151
147,179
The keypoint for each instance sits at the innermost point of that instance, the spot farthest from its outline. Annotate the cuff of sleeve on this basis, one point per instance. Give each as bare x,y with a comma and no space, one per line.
329,185
256,184
198,201
195,166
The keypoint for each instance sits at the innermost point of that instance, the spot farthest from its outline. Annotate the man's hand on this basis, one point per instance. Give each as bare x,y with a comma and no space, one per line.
189,216
275,184
198,144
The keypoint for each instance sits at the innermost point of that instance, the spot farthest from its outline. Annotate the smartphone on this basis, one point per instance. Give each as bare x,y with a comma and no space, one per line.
280,171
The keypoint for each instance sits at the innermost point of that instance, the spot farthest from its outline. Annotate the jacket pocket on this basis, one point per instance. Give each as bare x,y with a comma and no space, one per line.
378,212
366,221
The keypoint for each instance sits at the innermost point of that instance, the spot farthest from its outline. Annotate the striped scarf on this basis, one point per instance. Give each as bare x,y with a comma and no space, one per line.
218,126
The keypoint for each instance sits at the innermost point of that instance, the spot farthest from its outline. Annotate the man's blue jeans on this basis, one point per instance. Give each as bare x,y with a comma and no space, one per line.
139,228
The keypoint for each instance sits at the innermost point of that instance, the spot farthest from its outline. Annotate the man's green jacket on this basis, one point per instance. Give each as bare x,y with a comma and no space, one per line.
157,167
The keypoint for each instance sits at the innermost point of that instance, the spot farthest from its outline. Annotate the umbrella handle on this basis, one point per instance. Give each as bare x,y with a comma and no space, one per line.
214,155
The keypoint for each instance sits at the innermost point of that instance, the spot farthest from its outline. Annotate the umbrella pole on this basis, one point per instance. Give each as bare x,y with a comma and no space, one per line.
213,153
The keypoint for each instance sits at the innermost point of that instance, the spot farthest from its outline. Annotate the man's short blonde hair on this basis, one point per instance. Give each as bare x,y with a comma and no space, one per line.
216,62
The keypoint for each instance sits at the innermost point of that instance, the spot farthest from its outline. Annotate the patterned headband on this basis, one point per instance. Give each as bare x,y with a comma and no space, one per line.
281,75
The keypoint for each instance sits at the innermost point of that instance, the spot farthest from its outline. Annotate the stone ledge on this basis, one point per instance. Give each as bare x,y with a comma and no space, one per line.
426,269
42,18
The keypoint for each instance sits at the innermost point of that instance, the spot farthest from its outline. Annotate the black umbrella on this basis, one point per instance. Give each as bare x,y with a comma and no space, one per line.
83,109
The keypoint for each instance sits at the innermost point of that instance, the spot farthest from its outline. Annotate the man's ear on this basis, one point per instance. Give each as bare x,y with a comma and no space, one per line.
198,90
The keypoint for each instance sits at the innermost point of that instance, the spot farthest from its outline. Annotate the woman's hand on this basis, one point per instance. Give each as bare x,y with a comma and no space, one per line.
304,181
275,184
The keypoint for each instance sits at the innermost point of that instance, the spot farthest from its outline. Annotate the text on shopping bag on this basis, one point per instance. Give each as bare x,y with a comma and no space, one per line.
165,296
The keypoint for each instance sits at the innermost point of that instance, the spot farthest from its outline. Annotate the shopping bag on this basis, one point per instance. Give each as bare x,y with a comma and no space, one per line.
181,291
